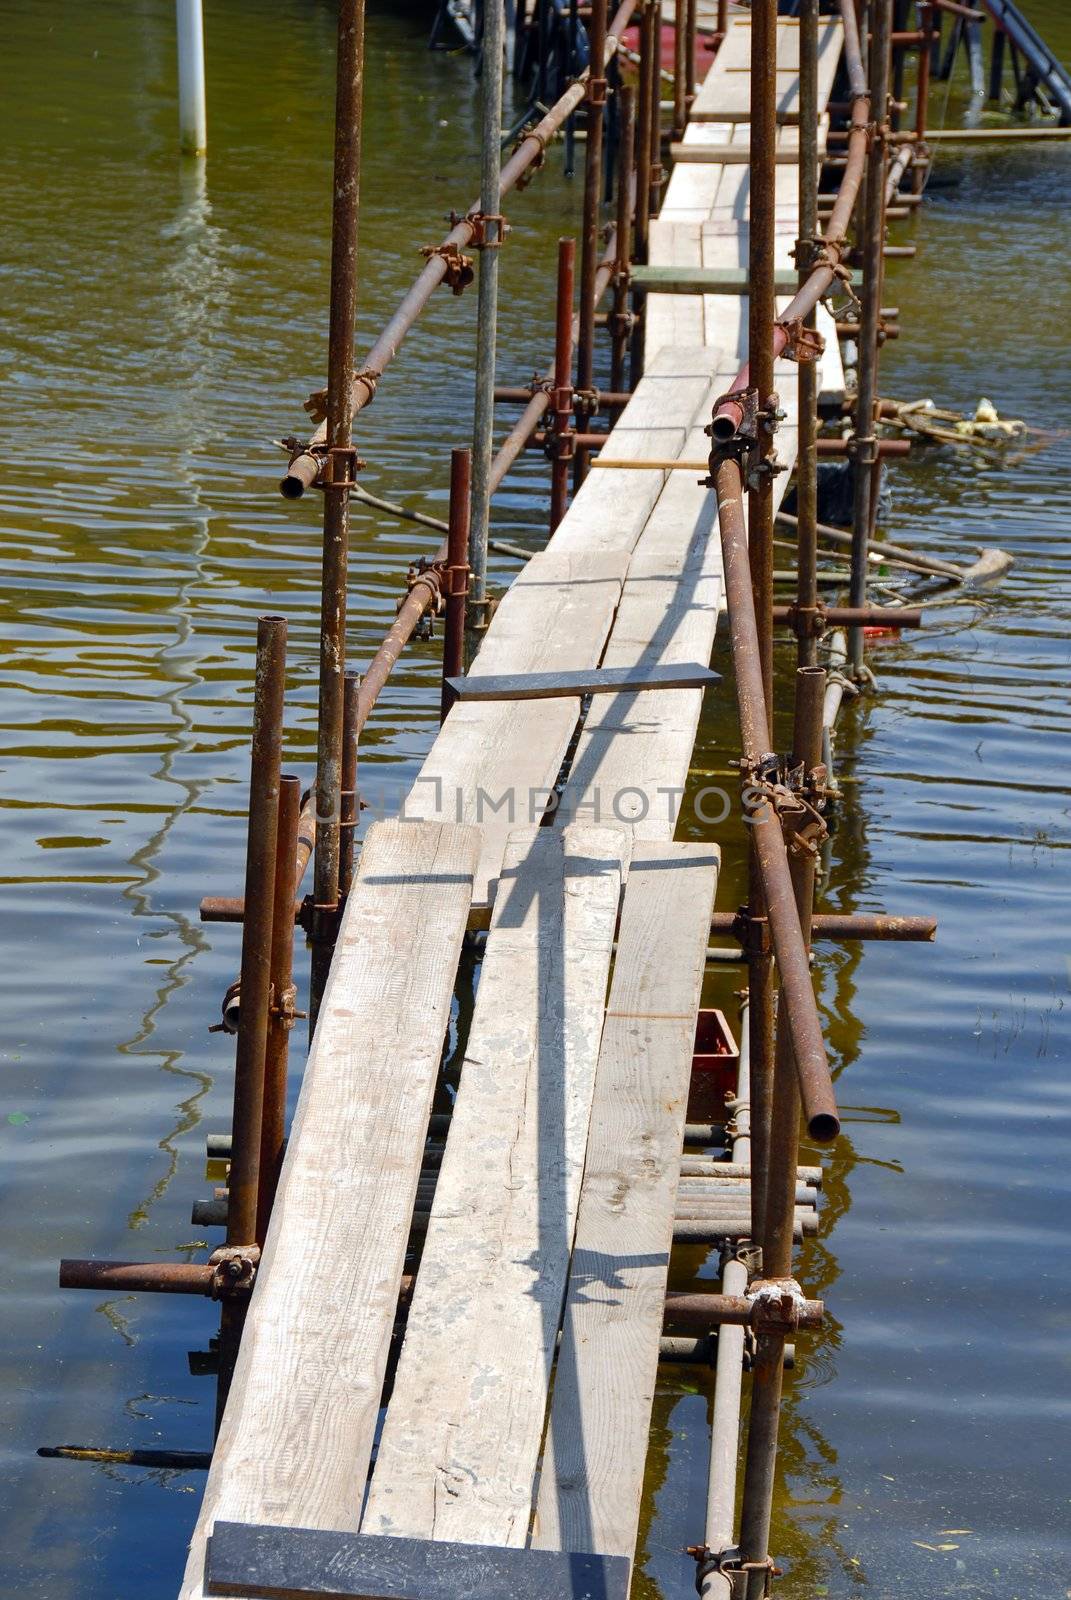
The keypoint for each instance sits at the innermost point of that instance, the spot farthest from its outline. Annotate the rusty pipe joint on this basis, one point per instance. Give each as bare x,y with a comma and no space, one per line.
234,1270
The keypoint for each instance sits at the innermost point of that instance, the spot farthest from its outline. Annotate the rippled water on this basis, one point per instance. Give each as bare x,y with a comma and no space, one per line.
162,323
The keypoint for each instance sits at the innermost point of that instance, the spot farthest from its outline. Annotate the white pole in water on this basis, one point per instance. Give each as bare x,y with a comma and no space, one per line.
193,124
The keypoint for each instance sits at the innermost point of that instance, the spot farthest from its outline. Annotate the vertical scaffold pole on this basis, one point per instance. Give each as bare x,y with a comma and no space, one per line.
680,66
457,575
281,1014
562,400
655,64
589,242
768,1364
193,121
922,96
865,444
761,315
486,314
644,114
339,471
625,153
690,20
349,802
807,458
647,116
265,763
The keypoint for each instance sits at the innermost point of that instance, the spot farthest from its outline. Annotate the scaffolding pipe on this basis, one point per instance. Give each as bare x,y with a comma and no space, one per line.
339,474
762,311
729,415
304,468
807,377
770,854
265,763
490,240
780,1213
281,1014
866,466
589,236
728,1372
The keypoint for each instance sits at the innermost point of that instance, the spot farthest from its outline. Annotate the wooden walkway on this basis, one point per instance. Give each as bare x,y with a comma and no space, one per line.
543,1272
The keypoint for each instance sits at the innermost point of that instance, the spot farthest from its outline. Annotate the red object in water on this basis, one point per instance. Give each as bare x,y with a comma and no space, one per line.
876,635
703,55
715,1061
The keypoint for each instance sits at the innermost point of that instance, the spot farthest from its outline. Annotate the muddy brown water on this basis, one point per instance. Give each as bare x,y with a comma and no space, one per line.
162,322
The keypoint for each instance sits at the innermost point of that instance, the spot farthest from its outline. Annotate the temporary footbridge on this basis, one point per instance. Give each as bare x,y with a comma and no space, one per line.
443,1313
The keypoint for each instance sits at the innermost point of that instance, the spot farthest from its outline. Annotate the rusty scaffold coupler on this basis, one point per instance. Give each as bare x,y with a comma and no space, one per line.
489,229
459,269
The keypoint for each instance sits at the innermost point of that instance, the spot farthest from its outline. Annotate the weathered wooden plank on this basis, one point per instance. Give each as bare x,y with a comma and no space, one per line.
713,155
298,1564
554,685
495,764
632,759
592,1476
461,1437
704,280
297,1435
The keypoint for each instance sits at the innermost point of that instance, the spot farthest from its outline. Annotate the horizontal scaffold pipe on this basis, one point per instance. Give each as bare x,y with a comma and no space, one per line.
305,466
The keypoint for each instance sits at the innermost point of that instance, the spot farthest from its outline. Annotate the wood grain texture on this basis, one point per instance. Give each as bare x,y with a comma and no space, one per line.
305,1563
494,765
460,1441
297,1434
592,1475
598,680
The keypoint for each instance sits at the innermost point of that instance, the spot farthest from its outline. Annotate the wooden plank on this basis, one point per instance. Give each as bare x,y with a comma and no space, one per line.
495,764
299,1563
461,1437
724,155
592,1477
705,280
297,1435
553,685
633,756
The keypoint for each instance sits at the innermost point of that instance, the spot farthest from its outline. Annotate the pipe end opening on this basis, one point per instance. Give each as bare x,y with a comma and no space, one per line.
824,1127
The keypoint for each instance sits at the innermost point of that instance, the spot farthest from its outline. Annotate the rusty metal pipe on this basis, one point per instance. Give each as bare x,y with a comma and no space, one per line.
780,1208
282,1011
770,856
858,616
619,333
807,377
644,116
589,233
729,415
342,462
249,1065
155,1277
490,239
562,436
866,470
304,468
847,927
701,1312
680,67
457,572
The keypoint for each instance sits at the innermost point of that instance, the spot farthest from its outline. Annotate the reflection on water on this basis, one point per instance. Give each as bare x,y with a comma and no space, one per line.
164,320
